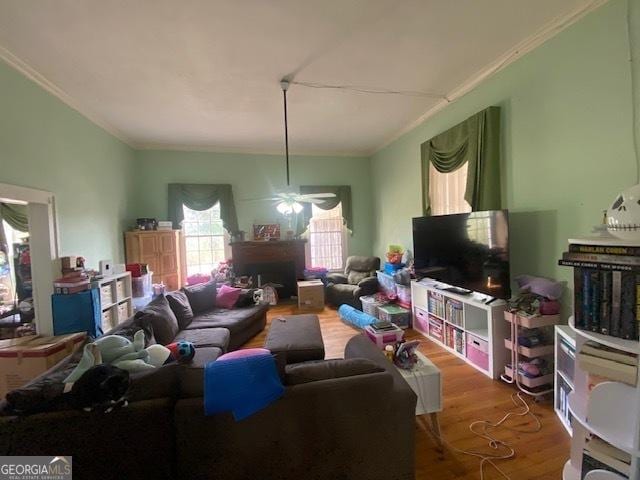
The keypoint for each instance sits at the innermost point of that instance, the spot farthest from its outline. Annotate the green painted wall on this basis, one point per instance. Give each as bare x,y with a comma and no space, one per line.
567,143
253,176
46,145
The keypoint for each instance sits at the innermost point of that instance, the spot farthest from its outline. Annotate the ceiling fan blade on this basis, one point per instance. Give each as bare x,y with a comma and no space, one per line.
263,199
317,195
310,200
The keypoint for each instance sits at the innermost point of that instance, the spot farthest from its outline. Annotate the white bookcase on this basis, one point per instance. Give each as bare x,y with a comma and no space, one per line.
480,326
115,299
564,372
610,411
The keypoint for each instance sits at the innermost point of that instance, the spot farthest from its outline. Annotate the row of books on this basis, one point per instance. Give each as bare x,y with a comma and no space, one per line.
454,339
606,296
603,363
600,455
453,311
436,304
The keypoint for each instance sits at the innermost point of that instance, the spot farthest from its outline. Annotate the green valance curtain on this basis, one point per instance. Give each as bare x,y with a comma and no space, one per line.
200,197
475,141
342,195
15,215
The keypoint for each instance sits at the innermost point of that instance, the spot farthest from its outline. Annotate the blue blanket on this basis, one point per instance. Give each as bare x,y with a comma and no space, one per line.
243,386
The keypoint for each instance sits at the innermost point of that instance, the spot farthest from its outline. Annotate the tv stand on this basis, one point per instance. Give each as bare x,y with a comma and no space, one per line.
458,290
470,325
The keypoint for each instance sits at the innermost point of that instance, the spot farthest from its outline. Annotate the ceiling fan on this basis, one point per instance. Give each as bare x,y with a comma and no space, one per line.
290,202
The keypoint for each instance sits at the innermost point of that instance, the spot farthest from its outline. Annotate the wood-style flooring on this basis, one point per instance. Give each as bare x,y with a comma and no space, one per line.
468,396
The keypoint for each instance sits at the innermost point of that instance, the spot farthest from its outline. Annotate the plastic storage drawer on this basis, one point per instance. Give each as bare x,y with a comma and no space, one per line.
478,351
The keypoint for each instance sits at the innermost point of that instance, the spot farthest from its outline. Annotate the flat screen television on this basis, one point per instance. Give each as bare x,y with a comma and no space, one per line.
466,250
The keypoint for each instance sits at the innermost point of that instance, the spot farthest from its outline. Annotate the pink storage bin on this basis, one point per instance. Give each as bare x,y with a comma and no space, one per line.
421,320
404,296
478,351
381,339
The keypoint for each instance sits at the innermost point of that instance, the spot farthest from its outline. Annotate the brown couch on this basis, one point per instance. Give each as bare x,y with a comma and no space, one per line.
338,419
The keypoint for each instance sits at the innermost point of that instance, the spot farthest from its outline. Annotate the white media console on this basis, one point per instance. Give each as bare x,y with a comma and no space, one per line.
465,325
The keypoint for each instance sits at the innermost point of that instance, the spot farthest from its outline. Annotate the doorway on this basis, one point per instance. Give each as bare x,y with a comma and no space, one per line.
28,250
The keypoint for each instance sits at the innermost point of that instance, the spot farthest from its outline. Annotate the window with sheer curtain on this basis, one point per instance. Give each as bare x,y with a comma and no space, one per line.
205,239
446,191
327,239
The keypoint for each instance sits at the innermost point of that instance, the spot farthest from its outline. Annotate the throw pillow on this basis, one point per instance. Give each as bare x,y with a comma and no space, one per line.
227,296
246,298
201,297
181,307
162,319
306,372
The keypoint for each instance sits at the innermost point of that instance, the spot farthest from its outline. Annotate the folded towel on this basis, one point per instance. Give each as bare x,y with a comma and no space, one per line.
243,386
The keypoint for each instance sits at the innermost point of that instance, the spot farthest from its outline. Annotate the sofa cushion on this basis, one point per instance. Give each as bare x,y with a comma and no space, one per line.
205,337
202,297
355,277
161,382
163,321
192,374
326,369
181,308
235,319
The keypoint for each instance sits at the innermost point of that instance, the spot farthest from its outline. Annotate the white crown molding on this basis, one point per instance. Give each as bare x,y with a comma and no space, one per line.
32,74
246,151
547,32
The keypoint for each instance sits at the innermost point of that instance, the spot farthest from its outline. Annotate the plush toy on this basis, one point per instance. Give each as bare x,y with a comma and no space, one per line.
181,352
120,352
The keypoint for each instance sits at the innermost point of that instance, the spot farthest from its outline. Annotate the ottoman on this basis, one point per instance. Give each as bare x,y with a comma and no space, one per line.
297,337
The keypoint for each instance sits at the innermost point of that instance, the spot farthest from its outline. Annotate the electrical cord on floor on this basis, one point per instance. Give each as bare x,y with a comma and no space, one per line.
482,429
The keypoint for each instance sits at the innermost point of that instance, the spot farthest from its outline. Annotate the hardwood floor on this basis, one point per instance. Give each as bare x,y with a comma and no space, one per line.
468,396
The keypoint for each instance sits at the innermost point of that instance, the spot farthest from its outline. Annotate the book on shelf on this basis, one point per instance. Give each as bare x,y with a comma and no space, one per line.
610,369
604,249
607,302
602,258
593,460
598,266
598,350
596,444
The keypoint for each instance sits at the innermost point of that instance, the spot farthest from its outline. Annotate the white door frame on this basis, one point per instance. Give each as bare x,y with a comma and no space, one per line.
43,245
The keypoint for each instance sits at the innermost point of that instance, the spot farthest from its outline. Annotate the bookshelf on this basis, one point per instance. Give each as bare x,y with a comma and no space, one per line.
462,324
564,372
606,409
115,299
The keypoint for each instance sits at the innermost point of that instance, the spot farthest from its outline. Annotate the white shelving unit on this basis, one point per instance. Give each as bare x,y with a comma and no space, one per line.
115,299
609,410
564,371
480,330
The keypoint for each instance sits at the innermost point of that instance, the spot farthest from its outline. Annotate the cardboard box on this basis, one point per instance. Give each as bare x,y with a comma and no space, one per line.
22,359
311,295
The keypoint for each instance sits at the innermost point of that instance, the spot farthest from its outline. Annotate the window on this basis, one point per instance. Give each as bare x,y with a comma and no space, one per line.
446,191
327,239
205,239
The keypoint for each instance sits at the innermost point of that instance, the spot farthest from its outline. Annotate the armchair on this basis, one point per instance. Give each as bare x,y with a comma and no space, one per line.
359,279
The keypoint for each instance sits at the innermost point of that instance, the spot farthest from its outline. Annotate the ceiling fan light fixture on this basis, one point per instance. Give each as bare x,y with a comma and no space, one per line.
288,207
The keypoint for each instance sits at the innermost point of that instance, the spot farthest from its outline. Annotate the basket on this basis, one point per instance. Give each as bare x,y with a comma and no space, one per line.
370,305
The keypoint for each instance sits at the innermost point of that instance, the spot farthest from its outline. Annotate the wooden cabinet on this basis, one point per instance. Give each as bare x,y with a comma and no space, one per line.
162,250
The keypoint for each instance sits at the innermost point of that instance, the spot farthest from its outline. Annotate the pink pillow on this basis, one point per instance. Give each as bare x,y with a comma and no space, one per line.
227,296
243,353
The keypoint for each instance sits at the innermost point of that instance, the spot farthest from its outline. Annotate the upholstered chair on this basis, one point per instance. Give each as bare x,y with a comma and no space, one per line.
359,279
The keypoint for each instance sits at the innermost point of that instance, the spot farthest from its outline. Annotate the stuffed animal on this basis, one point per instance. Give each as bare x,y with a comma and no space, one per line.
181,352
119,351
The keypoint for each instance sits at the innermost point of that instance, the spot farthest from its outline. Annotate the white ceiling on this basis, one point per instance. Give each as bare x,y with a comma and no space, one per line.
203,74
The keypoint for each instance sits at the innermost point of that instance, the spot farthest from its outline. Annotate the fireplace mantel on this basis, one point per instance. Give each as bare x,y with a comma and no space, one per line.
264,257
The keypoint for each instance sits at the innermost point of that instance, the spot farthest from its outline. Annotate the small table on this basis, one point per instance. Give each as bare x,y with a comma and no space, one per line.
425,379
